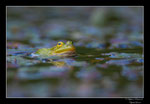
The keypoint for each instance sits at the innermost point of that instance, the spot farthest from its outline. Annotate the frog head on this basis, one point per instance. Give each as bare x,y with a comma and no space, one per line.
61,49
65,48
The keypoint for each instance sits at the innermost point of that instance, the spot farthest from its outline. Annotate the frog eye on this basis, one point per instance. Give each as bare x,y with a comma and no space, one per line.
60,44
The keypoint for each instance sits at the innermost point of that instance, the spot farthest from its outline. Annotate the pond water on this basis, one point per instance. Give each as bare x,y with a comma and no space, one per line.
109,45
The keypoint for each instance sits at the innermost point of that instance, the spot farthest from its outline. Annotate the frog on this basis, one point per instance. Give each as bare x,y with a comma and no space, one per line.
61,49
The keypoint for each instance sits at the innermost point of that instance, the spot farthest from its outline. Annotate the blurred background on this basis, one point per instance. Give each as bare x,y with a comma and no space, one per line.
108,40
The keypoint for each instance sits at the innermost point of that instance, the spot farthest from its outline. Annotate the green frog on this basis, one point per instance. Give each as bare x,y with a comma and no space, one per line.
61,49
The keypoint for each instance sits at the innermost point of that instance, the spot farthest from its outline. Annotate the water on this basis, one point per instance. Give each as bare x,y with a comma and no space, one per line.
109,61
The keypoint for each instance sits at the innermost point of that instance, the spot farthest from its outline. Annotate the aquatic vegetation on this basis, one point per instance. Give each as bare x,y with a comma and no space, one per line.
123,55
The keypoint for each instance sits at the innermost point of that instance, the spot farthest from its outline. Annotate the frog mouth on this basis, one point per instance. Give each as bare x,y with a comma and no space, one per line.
67,53
69,48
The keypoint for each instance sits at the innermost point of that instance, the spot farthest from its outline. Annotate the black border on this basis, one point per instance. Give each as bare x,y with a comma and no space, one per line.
76,2
5,3
3,51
